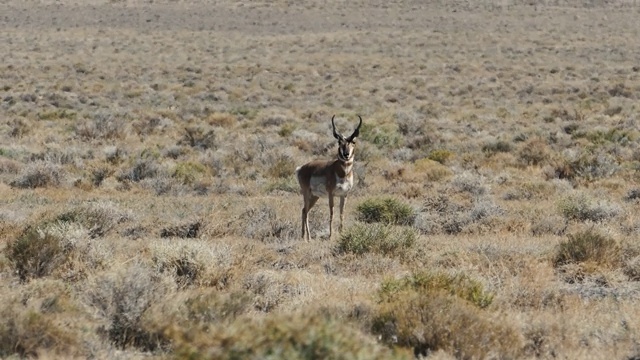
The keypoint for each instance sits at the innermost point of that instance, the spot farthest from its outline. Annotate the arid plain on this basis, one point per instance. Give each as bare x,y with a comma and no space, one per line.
148,207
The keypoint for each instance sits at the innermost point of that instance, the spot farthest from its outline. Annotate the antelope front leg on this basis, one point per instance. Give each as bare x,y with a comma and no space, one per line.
330,216
343,200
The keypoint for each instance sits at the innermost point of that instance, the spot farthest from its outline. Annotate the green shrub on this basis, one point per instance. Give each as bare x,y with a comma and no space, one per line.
459,285
188,172
36,253
290,336
432,170
589,165
283,167
440,155
580,207
386,211
588,246
430,321
499,146
378,238
382,136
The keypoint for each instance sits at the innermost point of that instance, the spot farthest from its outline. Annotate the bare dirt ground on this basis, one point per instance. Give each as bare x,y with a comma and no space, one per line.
148,206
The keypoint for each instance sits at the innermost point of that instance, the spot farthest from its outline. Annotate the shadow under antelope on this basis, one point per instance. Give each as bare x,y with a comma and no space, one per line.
328,178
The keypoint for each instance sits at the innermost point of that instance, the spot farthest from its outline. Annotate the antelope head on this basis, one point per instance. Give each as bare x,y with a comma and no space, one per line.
346,146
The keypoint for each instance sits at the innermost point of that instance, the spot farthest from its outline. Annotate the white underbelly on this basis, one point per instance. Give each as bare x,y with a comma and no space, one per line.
319,186
343,185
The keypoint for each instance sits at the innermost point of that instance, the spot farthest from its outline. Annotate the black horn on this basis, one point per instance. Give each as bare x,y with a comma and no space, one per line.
335,133
356,132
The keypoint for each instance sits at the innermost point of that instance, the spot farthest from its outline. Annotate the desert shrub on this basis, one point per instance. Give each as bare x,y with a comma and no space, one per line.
459,285
188,172
188,230
102,126
193,263
430,320
26,332
379,238
289,185
123,298
38,174
432,170
499,146
470,183
224,120
580,207
534,152
632,268
271,288
97,217
36,253
199,137
555,224
263,224
165,185
115,155
195,311
143,168
587,246
588,165
382,136
282,167
440,155
599,136
632,194
385,210
99,175
288,336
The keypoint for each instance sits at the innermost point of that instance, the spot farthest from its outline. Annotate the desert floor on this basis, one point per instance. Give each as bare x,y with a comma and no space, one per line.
149,208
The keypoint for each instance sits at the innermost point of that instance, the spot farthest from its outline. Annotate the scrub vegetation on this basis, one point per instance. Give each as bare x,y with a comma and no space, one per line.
148,206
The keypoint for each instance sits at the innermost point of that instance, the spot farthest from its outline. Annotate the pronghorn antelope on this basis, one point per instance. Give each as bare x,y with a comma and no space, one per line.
328,178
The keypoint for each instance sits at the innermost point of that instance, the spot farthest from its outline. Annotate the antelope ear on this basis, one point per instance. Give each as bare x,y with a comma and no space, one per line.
356,132
335,133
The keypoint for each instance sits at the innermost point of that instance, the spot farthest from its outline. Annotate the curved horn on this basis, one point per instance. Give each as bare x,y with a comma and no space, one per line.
335,133
356,132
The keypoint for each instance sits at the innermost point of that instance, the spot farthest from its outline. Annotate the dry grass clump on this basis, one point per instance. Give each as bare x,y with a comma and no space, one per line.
377,238
385,210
